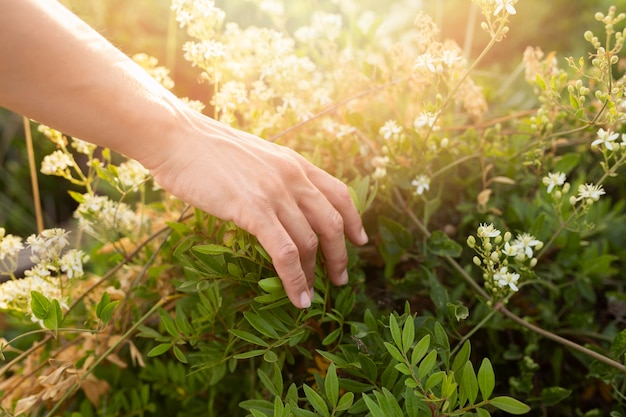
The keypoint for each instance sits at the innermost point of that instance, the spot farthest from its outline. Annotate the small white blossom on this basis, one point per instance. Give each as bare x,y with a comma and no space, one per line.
504,278
525,243
589,192
82,146
426,119
56,163
390,130
510,250
421,184
554,179
131,173
487,230
426,61
605,138
49,244
504,5
72,263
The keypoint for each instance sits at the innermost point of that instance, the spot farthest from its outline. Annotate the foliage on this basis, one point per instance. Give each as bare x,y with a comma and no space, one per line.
497,239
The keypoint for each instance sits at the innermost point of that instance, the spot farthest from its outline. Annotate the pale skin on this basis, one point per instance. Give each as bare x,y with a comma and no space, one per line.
57,70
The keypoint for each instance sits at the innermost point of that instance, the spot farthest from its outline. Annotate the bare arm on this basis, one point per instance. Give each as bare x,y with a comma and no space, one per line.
57,70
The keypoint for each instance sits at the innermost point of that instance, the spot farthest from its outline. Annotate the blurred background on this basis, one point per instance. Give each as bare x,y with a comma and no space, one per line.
148,26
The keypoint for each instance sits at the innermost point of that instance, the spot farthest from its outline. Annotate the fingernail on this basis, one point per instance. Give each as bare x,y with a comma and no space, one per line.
305,299
364,237
343,278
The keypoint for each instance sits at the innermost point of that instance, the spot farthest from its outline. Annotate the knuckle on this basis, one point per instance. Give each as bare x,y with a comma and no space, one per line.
335,223
310,243
288,254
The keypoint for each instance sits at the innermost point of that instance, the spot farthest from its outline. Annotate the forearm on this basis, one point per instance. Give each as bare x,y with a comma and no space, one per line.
57,70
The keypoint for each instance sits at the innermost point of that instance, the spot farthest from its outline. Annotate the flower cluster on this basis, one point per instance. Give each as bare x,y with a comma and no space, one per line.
105,219
502,258
10,247
54,264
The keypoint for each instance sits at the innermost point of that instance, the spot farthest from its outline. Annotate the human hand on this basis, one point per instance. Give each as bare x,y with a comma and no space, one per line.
289,204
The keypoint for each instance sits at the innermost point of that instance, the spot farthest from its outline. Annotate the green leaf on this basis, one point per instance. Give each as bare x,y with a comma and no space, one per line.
482,412
270,356
54,316
554,395
331,385
211,249
408,334
458,311
395,241
168,323
395,331
469,385
249,354
461,358
441,245
104,301
567,162
395,353
261,325
345,401
159,349
540,82
486,379
618,347
271,285
510,405
434,380
107,312
249,337
373,407
368,367
39,305
268,383
179,354
427,364
316,401
332,336
420,350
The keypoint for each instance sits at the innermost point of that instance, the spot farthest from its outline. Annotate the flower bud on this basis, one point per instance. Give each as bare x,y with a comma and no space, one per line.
572,200
487,246
498,239
558,195
566,187
476,260
589,201
494,256
471,241
507,236
533,262
588,36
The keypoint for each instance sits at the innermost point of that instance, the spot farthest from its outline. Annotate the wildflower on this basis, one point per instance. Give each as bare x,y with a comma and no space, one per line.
72,263
49,244
15,295
10,247
131,173
589,192
54,135
606,138
82,146
487,231
105,219
554,179
426,61
504,278
56,163
525,243
510,250
421,183
504,5
426,119
390,130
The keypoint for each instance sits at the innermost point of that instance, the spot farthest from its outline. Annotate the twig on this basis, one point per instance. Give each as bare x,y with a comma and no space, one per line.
33,174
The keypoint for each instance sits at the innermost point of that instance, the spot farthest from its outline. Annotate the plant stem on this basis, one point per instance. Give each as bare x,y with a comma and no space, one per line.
33,174
110,350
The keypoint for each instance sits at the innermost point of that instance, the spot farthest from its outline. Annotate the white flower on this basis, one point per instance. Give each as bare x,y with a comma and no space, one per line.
504,278
554,179
72,263
131,173
426,119
82,146
421,184
525,243
606,138
589,191
487,230
49,244
390,130
426,61
505,5
56,163
511,250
